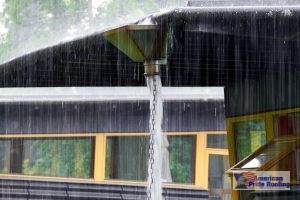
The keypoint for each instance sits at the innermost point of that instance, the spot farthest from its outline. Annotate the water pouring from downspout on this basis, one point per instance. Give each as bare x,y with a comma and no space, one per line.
147,43
154,190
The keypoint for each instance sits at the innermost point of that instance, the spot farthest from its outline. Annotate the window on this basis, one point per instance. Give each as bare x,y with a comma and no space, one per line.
287,124
217,179
4,156
127,158
182,158
61,157
249,135
280,154
218,141
269,152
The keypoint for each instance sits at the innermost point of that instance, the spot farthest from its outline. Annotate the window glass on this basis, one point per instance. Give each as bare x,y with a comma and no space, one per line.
268,153
182,158
287,124
218,181
249,136
127,158
71,157
291,163
297,160
218,141
4,156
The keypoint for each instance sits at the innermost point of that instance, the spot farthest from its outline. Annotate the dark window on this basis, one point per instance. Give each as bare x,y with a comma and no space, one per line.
127,158
287,124
218,141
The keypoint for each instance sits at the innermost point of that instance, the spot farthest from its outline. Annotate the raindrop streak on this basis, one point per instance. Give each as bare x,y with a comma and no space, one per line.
154,189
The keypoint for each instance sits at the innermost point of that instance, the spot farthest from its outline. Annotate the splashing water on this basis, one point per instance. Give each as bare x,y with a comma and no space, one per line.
154,189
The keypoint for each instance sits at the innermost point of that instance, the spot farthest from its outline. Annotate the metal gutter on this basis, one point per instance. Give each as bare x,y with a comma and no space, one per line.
105,94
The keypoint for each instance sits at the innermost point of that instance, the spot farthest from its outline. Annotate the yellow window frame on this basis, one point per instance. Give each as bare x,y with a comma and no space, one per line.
267,117
230,122
181,185
201,161
41,136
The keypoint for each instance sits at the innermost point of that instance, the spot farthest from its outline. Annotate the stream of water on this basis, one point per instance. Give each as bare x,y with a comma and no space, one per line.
154,189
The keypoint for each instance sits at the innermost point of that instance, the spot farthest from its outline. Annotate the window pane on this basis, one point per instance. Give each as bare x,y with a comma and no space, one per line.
287,124
5,156
217,141
70,157
182,158
249,136
58,157
219,182
297,159
268,153
291,163
126,158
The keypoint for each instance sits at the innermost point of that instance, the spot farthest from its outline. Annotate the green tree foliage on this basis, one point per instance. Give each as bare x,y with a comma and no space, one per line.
120,12
58,157
33,24
181,158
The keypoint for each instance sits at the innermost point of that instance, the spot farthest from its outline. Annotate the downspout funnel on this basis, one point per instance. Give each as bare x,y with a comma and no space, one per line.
141,43
147,43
